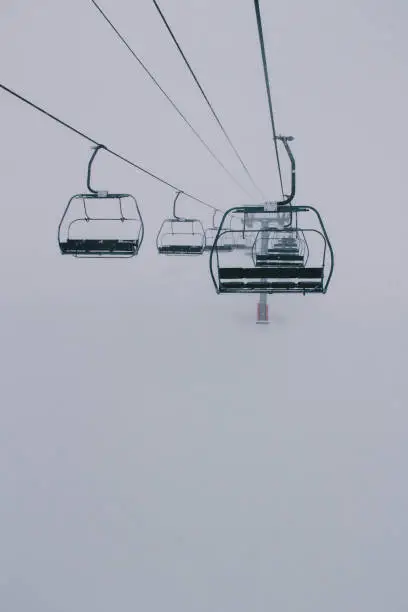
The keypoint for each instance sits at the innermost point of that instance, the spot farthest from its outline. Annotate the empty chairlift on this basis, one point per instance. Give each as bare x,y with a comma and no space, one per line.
287,256
286,247
180,235
101,224
288,264
225,244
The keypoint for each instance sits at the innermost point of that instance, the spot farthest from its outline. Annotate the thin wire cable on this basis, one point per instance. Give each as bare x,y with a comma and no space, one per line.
210,106
169,99
114,153
268,89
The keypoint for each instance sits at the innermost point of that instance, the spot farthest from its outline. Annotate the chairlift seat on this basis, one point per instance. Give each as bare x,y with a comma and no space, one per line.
280,257
180,235
272,287
283,247
248,273
87,216
221,247
180,249
279,262
99,247
283,251
276,264
305,279
79,232
223,244
268,260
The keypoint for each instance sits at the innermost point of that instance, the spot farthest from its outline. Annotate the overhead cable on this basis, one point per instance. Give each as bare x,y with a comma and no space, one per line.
114,153
210,106
268,88
169,99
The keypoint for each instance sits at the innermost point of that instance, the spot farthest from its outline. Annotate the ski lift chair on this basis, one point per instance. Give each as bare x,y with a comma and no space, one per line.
280,248
180,236
101,224
275,275
210,234
226,243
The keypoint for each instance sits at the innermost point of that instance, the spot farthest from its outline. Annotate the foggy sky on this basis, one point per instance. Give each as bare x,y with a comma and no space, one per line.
158,450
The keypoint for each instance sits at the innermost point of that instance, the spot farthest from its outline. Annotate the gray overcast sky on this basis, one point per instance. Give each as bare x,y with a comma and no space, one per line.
158,450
